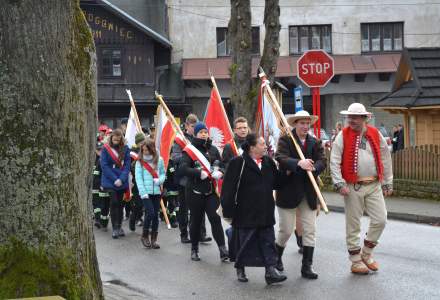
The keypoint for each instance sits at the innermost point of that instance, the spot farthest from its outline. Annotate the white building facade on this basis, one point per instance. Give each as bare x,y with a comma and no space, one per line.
364,38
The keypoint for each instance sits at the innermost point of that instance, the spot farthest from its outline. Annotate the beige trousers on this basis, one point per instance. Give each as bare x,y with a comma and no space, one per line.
287,220
368,198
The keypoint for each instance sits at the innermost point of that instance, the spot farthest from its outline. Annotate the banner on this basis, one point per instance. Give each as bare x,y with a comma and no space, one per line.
267,125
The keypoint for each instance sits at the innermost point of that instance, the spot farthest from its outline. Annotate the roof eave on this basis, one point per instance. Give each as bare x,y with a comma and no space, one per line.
142,27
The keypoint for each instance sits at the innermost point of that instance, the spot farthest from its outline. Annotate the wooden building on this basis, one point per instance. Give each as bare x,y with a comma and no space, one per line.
130,55
416,95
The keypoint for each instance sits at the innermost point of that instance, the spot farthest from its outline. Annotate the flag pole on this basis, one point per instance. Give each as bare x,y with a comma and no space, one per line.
214,84
136,117
285,127
170,116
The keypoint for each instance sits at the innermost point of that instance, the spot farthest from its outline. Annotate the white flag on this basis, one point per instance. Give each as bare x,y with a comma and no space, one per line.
131,131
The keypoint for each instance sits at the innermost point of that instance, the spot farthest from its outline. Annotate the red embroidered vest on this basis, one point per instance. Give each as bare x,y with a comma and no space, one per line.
352,139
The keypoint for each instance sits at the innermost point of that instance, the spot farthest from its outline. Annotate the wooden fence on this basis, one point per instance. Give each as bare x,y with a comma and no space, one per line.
417,163
414,163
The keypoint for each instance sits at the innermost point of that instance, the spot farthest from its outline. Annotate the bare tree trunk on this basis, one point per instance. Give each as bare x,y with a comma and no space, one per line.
244,90
240,35
47,124
271,50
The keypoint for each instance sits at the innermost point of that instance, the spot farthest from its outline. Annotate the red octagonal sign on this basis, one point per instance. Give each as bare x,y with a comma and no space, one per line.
315,68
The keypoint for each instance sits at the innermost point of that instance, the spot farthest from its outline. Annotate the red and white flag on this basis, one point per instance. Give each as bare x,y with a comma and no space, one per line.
217,122
267,125
165,135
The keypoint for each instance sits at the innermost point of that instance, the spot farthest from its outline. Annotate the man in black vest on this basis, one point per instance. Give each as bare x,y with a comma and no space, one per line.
299,192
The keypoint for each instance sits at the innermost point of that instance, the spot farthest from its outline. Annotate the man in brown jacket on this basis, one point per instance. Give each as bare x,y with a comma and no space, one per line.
299,192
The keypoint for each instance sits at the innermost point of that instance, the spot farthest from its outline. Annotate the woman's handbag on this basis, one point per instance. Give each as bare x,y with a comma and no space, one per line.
220,208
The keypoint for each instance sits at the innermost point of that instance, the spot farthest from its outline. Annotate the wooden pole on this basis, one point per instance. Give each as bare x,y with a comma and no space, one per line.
234,146
285,129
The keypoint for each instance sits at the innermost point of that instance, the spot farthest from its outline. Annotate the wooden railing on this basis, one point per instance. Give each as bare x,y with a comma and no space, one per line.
414,163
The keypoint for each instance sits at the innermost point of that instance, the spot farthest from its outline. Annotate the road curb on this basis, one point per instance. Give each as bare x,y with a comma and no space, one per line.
398,216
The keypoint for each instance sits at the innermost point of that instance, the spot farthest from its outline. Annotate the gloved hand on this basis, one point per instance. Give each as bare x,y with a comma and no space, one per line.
156,181
217,175
118,182
145,196
203,175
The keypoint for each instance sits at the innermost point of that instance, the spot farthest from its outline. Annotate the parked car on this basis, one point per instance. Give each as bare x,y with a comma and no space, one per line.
325,138
387,137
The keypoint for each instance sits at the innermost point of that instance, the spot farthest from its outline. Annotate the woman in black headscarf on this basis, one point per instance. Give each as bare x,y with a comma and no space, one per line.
247,198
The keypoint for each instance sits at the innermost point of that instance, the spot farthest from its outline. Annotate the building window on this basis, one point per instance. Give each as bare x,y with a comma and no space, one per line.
303,38
111,63
224,46
378,37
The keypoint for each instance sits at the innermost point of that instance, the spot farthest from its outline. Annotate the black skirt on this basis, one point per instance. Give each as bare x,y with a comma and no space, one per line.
252,247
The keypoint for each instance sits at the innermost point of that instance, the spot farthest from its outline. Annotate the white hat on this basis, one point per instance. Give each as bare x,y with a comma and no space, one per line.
302,114
356,109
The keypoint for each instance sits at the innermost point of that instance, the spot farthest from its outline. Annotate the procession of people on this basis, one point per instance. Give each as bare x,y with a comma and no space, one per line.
245,186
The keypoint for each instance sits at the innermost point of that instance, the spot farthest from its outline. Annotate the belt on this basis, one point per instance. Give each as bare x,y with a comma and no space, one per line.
366,180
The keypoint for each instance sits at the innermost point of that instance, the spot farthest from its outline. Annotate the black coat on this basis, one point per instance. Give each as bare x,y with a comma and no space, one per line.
192,170
299,184
228,154
255,203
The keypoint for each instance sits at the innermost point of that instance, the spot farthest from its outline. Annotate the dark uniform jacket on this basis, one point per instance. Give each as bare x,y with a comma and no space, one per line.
299,184
176,156
255,204
192,170
228,154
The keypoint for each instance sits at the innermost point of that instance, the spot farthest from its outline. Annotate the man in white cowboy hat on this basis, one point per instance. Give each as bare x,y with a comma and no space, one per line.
361,171
299,192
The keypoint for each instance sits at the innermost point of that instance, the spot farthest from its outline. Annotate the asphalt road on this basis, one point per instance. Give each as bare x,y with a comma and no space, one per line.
409,257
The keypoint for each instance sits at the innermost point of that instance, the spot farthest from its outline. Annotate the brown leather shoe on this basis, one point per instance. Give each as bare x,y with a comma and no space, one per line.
154,243
370,262
359,267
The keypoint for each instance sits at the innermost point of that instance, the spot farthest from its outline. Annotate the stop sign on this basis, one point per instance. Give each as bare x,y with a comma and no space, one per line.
315,68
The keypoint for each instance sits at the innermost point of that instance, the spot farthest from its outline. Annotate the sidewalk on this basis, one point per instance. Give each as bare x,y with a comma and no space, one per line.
405,209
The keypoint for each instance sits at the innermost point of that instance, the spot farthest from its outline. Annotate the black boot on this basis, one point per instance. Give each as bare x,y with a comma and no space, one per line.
132,222
280,251
184,239
121,231
306,269
299,242
115,232
97,219
272,275
195,254
224,254
241,275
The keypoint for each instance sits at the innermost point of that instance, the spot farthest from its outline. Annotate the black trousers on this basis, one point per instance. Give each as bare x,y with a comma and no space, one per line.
182,214
199,204
116,207
136,207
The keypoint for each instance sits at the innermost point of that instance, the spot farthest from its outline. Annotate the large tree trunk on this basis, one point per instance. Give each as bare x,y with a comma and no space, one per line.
244,89
271,50
47,129
240,36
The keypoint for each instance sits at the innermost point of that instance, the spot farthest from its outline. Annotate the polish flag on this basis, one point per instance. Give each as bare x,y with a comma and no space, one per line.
131,130
267,125
216,120
164,135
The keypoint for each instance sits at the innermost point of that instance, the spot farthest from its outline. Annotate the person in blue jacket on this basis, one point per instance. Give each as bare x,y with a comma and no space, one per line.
115,164
150,175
